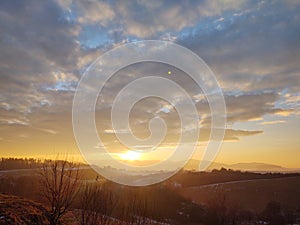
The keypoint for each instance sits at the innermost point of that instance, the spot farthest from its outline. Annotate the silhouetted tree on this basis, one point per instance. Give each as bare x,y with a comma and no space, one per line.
96,205
220,212
136,210
59,184
272,213
19,163
216,209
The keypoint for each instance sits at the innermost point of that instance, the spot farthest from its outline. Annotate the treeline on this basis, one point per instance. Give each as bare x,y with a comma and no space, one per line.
192,178
19,163
12,163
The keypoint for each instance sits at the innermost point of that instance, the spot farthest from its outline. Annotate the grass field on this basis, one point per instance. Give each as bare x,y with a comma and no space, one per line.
253,195
17,210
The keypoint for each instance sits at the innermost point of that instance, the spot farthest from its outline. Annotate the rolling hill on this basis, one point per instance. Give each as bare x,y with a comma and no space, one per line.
17,210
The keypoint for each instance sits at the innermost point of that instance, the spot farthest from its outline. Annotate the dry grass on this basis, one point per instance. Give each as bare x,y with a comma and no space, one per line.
17,210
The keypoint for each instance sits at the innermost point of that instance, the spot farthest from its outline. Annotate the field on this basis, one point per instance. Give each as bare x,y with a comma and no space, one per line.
17,210
252,195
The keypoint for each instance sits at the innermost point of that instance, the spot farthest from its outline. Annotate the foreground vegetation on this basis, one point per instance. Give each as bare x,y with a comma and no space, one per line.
65,194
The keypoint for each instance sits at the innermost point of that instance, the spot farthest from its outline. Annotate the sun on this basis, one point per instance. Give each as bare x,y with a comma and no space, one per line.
130,155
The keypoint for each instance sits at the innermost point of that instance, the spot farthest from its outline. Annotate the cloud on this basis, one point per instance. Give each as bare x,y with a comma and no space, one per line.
49,131
110,141
34,44
14,122
94,12
256,49
292,100
112,131
252,47
272,122
241,107
247,107
144,20
231,134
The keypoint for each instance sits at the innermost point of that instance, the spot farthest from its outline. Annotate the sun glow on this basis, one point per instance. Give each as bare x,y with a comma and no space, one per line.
130,155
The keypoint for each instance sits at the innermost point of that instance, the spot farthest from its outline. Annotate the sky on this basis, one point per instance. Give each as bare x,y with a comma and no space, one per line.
252,47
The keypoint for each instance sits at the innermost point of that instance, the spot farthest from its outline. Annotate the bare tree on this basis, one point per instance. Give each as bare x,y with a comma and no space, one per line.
220,211
217,209
273,213
59,184
136,210
96,205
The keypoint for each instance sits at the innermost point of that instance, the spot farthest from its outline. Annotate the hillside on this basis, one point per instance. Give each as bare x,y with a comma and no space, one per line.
250,167
188,197
17,210
250,194
190,178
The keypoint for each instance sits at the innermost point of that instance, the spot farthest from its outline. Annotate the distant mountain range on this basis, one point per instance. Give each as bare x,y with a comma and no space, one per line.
252,166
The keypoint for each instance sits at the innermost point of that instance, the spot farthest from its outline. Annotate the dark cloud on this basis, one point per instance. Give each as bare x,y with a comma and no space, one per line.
255,48
251,106
35,44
